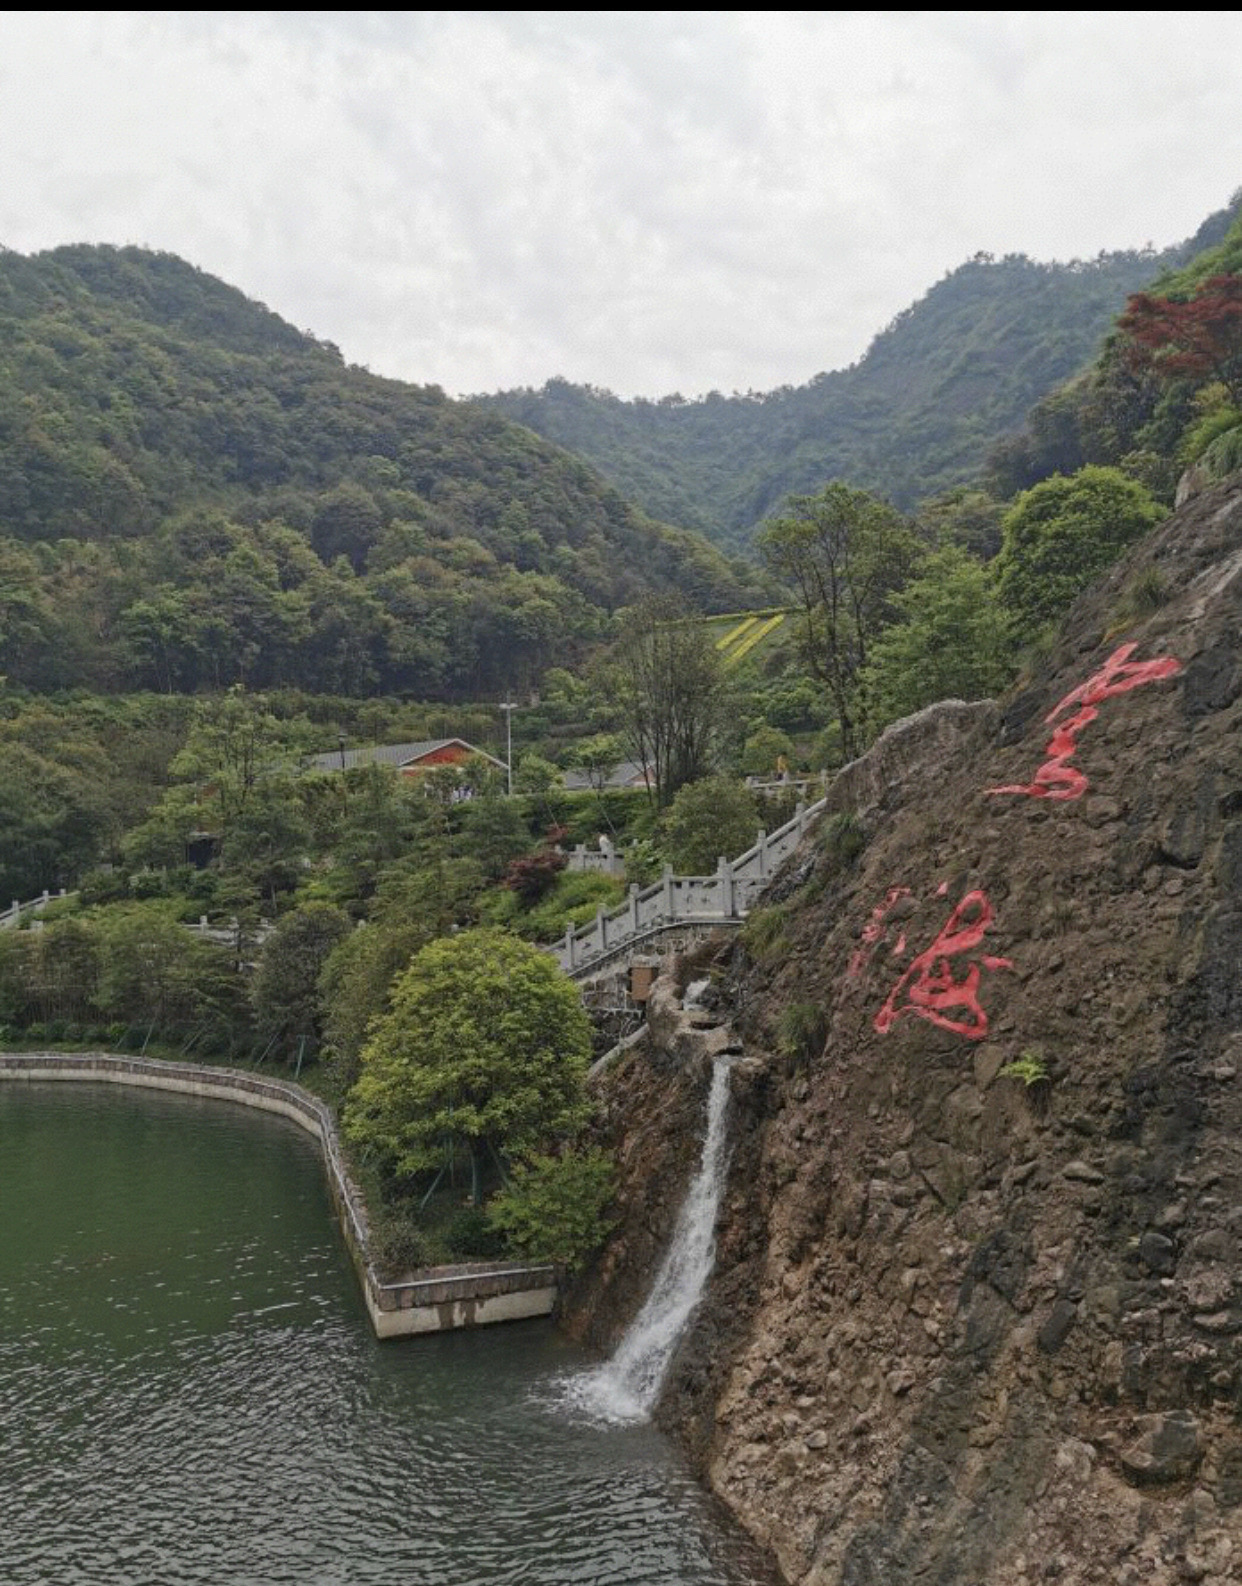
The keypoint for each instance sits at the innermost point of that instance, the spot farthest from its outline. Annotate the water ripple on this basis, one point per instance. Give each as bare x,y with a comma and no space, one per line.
189,1393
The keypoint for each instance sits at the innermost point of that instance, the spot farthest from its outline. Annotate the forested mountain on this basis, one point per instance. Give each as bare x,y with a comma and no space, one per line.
1164,395
916,416
194,493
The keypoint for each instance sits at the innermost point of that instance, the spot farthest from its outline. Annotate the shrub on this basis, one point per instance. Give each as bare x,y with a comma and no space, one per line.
573,900
554,1209
1146,592
532,876
398,1245
103,886
471,1235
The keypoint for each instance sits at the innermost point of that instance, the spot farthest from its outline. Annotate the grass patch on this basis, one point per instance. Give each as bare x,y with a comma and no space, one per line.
801,1032
763,934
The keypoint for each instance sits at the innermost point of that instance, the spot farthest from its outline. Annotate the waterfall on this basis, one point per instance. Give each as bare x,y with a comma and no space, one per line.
625,1388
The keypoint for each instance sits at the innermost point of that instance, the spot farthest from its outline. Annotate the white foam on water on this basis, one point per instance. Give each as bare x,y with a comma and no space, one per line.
694,992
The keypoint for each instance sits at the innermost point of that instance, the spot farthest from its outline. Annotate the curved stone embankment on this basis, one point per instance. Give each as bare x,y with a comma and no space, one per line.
433,1300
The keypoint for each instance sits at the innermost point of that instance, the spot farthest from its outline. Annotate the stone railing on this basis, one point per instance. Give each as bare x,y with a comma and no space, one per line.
601,861
428,1301
683,900
12,917
803,786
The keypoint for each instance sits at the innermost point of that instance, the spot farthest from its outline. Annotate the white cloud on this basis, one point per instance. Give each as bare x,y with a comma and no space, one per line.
649,201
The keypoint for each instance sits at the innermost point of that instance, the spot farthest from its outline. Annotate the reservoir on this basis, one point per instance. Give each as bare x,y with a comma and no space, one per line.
190,1391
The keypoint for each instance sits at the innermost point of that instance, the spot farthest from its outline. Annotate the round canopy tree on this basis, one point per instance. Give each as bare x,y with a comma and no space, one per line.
484,1050
1060,535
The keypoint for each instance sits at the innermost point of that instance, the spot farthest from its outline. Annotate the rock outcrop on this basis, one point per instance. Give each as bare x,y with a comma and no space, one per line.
977,1312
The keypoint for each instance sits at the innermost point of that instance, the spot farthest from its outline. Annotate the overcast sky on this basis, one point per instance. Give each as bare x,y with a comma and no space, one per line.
652,202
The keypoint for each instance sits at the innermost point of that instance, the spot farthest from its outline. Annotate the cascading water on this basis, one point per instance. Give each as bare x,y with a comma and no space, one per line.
626,1387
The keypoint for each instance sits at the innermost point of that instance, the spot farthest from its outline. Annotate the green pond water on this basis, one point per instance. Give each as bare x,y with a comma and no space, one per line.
190,1391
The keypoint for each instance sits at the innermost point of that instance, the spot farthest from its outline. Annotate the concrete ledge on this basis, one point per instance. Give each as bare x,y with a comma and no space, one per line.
432,1300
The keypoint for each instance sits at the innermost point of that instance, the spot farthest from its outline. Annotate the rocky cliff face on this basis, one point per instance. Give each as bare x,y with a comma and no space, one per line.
974,1327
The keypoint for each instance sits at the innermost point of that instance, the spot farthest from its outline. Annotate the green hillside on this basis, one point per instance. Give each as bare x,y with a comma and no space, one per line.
1123,410
194,493
951,375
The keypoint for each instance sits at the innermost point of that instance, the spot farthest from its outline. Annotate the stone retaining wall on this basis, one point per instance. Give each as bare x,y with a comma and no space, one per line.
429,1301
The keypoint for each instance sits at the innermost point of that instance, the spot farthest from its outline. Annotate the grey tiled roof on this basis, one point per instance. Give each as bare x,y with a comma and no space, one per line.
629,773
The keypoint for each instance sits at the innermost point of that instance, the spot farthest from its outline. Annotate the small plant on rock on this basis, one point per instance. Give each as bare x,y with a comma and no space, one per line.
1144,595
1030,1068
842,838
801,1031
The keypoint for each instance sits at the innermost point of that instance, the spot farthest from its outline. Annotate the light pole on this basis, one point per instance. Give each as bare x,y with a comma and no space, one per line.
507,707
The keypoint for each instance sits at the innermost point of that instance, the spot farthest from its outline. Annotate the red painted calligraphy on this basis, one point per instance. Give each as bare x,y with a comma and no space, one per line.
1057,778
930,988
873,931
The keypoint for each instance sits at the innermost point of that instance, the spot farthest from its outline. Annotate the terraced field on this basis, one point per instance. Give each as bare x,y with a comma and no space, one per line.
747,633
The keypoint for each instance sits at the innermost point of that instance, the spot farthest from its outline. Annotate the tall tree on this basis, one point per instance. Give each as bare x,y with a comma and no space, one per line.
846,553
950,642
668,686
285,989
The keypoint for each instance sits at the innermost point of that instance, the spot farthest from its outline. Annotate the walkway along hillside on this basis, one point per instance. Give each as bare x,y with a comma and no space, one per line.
677,906
675,903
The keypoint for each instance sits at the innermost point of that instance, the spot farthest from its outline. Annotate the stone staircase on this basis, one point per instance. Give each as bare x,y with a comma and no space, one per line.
680,904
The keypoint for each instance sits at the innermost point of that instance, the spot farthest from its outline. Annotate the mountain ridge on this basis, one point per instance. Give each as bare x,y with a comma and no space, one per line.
948,377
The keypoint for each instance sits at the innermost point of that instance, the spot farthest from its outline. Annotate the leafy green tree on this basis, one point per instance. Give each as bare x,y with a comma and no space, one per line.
64,969
55,821
496,832
554,1207
764,750
154,971
965,516
484,1051
347,523
535,775
231,744
597,756
160,840
285,990
1060,535
363,821
415,904
710,818
266,839
950,640
846,553
18,976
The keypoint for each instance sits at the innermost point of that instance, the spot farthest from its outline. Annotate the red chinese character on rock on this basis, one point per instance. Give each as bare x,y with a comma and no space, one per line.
930,987
1057,778
874,930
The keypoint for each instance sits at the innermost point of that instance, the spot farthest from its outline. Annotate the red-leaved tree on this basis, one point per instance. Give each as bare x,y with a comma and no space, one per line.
1199,339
